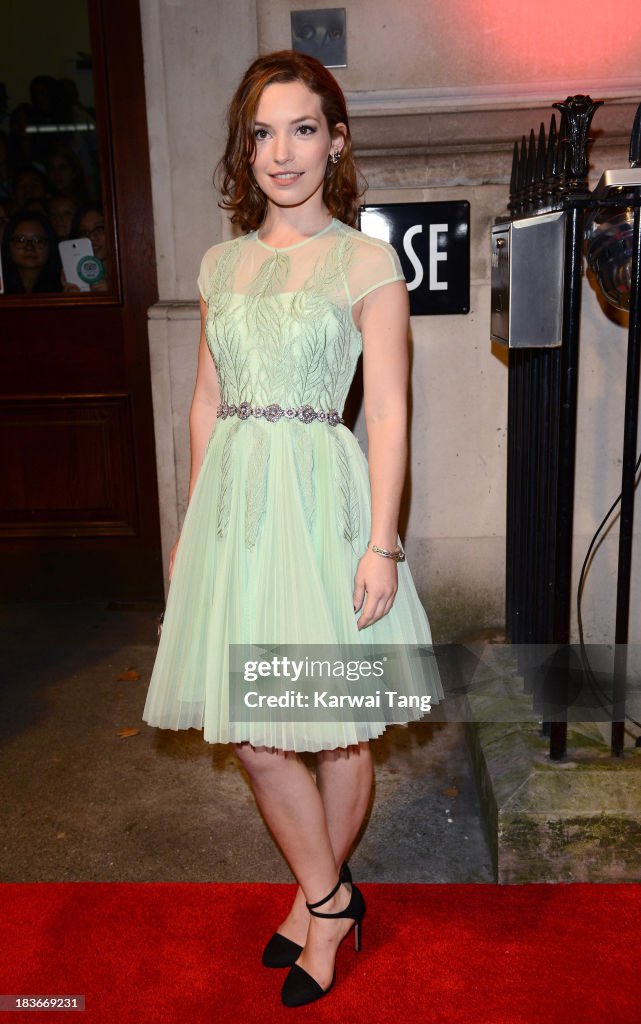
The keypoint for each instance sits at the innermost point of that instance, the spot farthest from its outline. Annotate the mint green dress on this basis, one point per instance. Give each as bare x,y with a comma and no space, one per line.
280,513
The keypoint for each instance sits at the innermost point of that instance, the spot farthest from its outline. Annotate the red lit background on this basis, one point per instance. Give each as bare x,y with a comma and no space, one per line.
525,41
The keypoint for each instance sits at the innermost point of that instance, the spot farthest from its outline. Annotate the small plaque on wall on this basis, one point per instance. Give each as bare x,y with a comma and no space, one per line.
433,244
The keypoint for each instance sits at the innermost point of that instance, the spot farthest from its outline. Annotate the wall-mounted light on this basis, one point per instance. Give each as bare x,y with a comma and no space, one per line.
609,229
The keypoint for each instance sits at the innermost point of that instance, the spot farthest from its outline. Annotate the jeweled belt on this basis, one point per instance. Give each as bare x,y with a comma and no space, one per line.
272,413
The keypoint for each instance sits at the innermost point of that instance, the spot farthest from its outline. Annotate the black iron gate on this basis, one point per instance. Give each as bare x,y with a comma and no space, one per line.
550,174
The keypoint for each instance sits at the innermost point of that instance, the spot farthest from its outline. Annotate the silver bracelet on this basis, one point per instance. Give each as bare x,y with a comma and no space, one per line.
397,555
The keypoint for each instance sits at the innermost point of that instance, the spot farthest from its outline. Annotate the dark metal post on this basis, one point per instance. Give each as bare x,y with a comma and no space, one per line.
577,112
567,447
630,426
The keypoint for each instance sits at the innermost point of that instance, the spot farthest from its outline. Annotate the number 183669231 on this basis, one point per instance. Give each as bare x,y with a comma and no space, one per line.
41,1002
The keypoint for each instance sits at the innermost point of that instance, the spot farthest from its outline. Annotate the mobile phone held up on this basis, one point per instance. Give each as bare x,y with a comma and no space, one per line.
81,267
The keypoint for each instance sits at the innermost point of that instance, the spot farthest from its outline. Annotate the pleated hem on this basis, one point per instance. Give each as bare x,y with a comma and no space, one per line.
295,744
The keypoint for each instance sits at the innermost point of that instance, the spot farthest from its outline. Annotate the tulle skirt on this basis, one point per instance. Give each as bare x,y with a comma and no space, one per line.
276,525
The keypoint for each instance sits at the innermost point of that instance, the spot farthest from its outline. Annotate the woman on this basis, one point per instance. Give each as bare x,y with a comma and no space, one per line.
30,260
28,183
65,172
274,548
89,222
62,209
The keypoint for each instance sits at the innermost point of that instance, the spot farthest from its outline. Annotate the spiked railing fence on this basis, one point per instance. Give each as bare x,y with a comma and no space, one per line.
549,173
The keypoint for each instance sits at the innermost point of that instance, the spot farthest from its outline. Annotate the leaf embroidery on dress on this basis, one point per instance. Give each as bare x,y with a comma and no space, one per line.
340,369
346,493
232,365
267,321
268,283
225,487
256,488
221,280
310,365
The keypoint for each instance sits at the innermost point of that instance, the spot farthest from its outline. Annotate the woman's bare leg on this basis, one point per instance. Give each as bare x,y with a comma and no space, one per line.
293,810
291,804
344,781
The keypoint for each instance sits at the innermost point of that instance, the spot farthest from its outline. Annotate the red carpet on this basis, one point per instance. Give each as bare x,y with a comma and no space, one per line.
449,954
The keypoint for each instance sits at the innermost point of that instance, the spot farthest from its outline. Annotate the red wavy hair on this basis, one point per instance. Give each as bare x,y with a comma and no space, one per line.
343,185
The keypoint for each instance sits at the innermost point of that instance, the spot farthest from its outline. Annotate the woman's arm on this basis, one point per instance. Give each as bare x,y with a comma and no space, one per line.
384,321
202,414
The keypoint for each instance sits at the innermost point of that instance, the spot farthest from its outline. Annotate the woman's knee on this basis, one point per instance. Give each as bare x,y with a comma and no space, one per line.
358,755
259,762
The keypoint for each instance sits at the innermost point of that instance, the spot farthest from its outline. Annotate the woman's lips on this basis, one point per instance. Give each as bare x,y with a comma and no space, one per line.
286,178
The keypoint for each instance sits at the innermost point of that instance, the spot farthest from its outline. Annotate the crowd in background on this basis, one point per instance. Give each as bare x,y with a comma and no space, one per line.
49,188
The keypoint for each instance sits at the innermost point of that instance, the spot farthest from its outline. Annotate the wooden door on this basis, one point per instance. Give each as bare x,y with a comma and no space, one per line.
78,495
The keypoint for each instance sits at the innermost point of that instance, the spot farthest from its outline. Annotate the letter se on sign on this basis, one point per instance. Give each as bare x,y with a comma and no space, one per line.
433,244
434,256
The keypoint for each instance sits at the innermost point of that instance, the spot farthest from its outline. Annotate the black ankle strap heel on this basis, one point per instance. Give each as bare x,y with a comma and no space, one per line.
299,987
355,909
312,906
283,952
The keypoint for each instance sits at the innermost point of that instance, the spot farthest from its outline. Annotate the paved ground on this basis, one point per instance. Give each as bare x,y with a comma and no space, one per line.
79,802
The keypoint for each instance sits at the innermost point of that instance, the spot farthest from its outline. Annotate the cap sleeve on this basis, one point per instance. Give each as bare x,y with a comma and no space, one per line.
207,267
377,263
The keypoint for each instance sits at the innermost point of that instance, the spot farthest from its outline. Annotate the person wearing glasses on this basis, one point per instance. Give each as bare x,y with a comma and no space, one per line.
30,259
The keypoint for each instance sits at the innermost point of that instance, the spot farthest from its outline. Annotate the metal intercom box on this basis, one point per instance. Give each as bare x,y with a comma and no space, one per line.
528,257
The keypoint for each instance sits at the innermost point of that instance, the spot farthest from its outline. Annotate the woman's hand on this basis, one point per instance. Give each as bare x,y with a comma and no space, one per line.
67,286
172,558
377,577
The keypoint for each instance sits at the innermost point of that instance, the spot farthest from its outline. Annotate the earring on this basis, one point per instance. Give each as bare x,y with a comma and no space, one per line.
335,156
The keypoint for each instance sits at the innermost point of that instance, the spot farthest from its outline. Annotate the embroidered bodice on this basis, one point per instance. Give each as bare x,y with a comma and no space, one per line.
279,322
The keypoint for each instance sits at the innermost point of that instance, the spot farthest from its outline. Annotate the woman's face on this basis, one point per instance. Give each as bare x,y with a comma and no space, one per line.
60,172
92,226
293,144
29,246
61,211
29,185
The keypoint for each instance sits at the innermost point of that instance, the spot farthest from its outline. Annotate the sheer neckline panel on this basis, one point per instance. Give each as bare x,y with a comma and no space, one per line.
296,245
